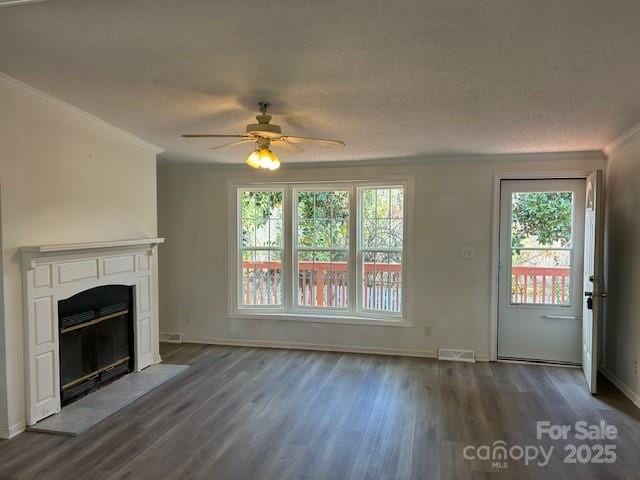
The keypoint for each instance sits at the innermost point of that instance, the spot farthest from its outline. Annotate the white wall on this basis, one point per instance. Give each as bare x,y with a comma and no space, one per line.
453,208
622,260
64,177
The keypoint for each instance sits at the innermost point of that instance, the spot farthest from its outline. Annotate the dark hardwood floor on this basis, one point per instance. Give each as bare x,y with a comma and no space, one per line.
244,413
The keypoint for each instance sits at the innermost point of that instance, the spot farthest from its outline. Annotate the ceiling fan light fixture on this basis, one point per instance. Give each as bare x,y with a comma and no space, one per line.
263,158
268,159
263,133
253,160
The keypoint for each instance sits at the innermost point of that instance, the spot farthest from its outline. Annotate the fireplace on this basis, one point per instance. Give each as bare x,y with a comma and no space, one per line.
96,339
62,287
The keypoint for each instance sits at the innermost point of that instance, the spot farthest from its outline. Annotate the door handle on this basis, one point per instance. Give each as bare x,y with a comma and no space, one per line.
589,296
560,317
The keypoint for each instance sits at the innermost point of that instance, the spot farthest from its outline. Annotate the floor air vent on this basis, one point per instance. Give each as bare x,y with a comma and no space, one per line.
455,355
171,337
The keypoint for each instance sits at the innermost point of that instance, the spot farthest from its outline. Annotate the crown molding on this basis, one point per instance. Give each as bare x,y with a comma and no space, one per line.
624,139
172,162
8,3
67,108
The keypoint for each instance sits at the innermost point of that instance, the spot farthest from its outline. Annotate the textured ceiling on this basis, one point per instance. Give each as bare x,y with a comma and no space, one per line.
392,79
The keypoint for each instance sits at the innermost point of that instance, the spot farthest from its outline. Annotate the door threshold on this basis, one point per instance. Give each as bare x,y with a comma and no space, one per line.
544,363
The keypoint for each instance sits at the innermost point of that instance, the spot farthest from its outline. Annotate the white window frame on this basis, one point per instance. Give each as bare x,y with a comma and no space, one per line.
289,310
374,313
307,309
239,248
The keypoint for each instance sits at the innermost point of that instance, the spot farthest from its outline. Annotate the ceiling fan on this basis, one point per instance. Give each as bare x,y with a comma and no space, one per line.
265,134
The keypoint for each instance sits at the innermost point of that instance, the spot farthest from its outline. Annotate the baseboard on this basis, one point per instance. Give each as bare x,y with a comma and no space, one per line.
623,387
8,433
313,346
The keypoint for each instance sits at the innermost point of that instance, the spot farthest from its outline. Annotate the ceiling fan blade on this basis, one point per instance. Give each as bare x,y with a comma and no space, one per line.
318,141
206,135
283,143
237,142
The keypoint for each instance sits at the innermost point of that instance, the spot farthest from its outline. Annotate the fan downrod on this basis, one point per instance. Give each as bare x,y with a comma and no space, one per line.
263,107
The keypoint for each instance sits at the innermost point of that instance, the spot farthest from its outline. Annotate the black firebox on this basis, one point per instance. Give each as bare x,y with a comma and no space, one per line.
96,339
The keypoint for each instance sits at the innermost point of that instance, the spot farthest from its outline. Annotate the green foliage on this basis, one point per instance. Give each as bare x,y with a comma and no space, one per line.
544,217
257,208
323,220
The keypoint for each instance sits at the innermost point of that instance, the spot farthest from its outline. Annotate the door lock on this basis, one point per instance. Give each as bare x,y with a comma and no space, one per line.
589,296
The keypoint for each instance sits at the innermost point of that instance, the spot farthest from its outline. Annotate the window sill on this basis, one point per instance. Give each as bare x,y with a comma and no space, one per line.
318,318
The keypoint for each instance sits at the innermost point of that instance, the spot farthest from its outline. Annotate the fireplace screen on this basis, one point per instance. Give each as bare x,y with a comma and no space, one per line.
96,339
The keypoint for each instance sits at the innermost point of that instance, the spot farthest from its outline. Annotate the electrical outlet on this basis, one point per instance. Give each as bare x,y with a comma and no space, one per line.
635,368
467,253
427,331
188,320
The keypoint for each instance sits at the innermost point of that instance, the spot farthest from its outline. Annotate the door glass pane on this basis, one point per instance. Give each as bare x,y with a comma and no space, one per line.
541,219
541,276
541,241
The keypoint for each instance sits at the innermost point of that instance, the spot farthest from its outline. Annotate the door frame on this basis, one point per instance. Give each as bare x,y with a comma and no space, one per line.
495,234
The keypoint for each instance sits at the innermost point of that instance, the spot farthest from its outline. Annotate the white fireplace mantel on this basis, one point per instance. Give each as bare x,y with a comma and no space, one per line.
54,272
92,245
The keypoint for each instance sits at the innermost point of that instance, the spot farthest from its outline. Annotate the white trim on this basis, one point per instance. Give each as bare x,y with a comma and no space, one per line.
9,433
481,357
495,236
172,162
624,139
67,108
620,385
63,247
313,346
9,3
537,364
322,316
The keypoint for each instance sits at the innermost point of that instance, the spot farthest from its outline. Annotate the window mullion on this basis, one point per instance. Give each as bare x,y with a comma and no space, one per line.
288,232
355,255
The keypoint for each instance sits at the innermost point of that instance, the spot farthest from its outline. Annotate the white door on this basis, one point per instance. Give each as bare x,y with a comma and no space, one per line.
593,279
540,274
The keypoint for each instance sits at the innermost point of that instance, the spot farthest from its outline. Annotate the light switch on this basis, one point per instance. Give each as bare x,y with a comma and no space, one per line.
466,253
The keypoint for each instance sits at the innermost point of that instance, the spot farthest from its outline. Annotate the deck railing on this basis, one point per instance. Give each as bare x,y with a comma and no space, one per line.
324,284
542,285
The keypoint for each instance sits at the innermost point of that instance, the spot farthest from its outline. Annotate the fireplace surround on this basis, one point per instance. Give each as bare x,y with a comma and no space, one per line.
52,277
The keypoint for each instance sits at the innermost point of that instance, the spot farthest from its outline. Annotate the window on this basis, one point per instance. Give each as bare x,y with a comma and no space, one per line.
382,214
327,250
322,248
261,248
